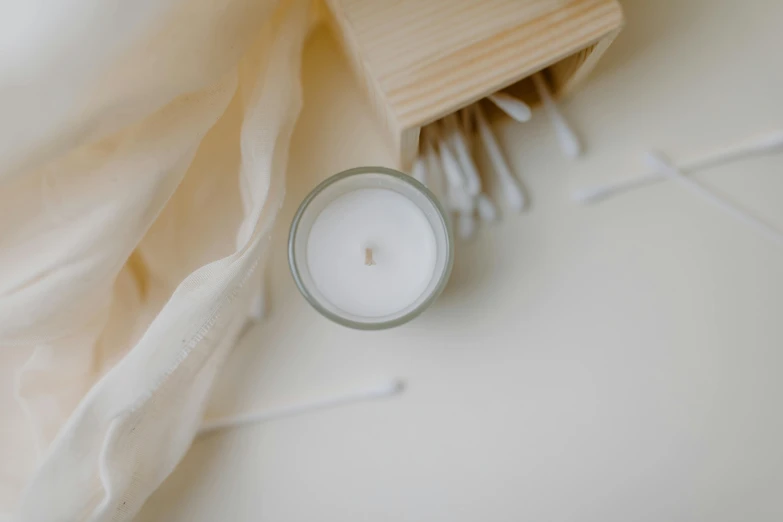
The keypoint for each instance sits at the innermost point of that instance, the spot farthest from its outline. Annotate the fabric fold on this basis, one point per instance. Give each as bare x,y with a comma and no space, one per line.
136,264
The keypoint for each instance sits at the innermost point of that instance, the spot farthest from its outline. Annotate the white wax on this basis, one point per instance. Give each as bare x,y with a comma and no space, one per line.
404,252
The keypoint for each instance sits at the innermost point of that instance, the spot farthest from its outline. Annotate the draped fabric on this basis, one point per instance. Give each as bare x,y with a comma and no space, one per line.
143,147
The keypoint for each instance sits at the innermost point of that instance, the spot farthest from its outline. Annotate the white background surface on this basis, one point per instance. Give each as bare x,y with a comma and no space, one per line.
617,362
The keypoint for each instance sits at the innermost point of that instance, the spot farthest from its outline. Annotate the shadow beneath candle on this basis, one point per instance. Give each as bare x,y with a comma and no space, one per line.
472,267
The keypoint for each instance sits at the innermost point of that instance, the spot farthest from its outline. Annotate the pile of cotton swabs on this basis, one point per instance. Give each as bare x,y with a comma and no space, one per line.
446,157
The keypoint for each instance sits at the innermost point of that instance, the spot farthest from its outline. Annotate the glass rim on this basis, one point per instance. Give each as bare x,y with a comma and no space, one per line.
379,325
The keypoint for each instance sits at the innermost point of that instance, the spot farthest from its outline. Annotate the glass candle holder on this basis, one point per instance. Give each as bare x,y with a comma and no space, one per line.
370,248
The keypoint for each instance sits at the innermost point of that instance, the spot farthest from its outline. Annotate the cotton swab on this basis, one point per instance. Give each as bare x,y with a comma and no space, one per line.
466,225
486,208
419,171
512,190
513,107
382,391
457,139
435,177
457,198
660,163
450,164
569,143
765,143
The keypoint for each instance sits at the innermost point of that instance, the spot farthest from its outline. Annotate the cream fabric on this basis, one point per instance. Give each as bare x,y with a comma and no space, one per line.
142,151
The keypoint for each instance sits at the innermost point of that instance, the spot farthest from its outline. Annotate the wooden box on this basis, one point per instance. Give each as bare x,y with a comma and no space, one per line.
420,60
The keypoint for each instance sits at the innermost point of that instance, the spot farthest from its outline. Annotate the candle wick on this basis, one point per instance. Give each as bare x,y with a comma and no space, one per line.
368,260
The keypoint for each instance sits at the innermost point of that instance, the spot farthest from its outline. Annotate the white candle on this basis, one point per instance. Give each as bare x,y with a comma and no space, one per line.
369,248
371,252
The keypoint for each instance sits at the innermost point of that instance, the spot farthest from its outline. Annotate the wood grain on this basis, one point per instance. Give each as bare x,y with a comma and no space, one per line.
420,60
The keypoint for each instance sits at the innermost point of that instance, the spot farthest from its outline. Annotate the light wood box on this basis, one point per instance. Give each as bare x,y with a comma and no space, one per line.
420,60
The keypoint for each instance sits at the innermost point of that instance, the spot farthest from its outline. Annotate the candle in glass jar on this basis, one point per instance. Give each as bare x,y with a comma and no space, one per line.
371,252
370,248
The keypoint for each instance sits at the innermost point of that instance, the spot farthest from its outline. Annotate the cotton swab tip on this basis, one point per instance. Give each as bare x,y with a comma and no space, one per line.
566,137
459,200
466,226
388,389
768,142
569,143
513,107
514,196
486,208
